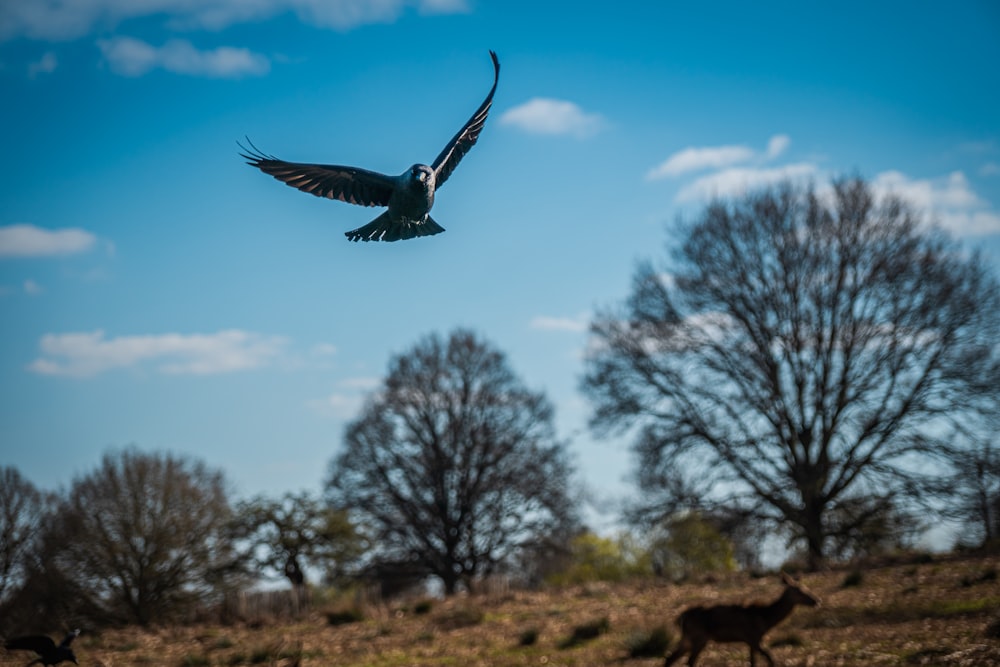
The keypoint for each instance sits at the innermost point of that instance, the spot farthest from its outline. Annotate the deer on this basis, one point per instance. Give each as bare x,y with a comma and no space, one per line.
737,623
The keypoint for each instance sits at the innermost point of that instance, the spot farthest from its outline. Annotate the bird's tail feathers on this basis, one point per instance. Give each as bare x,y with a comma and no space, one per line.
384,228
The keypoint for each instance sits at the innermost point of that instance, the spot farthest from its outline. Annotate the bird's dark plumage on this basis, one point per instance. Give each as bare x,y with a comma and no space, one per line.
45,647
409,196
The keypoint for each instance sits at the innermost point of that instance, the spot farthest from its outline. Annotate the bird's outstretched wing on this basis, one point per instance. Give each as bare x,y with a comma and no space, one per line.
348,184
40,644
460,144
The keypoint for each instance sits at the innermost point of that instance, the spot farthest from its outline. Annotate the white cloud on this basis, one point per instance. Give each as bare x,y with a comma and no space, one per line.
45,65
31,287
696,159
85,354
132,57
542,115
71,19
573,324
777,145
949,200
443,7
346,401
31,241
715,157
736,181
324,350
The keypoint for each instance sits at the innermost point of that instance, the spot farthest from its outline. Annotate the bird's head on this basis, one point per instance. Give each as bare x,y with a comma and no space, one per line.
421,173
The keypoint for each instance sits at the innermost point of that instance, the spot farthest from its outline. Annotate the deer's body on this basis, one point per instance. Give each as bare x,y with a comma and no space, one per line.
737,623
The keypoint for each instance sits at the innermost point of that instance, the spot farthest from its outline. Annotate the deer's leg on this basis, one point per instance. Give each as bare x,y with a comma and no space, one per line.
767,654
696,648
681,649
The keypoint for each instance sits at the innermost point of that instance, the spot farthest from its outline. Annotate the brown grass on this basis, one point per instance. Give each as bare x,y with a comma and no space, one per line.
943,613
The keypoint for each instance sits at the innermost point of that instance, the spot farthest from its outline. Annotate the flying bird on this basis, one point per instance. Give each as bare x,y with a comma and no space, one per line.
409,196
45,647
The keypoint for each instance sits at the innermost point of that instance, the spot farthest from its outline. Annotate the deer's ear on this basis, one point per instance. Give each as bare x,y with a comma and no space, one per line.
787,579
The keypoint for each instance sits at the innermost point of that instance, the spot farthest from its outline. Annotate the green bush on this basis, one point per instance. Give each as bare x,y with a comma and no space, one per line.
692,546
595,558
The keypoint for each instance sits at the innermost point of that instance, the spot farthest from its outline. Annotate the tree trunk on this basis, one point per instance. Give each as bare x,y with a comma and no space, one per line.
815,538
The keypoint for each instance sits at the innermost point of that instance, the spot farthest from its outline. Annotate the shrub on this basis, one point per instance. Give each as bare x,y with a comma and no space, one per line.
649,643
985,576
191,660
853,579
344,616
993,629
460,617
595,558
586,632
423,607
528,638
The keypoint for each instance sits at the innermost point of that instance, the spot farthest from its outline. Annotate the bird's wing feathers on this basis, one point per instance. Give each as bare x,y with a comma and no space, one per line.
467,136
348,184
38,643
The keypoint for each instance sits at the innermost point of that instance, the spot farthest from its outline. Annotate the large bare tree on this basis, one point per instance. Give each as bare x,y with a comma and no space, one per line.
453,463
802,356
147,535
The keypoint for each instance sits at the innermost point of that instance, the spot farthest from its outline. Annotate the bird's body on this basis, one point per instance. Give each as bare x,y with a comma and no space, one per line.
48,652
408,197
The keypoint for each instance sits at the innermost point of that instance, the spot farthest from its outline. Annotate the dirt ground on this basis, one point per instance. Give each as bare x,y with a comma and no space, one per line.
944,611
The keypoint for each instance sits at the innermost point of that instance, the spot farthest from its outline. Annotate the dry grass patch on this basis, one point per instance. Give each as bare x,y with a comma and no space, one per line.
901,615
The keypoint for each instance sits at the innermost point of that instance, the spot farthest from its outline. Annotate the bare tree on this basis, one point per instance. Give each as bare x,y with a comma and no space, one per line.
453,463
297,531
22,510
147,535
804,345
972,490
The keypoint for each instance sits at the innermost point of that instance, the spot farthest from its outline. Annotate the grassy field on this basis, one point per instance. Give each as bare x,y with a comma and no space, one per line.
942,612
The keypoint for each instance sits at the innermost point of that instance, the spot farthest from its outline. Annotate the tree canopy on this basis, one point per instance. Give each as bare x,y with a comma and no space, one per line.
147,534
804,348
453,463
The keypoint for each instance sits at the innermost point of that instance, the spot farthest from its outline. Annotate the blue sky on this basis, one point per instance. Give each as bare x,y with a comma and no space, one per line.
155,290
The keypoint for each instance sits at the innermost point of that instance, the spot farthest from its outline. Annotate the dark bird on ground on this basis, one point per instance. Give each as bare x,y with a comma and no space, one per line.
409,196
45,647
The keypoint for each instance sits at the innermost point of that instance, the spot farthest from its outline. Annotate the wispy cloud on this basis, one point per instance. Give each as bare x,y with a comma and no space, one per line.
86,354
573,324
65,20
777,145
346,401
30,241
949,200
133,57
44,65
715,157
736,181
542,115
